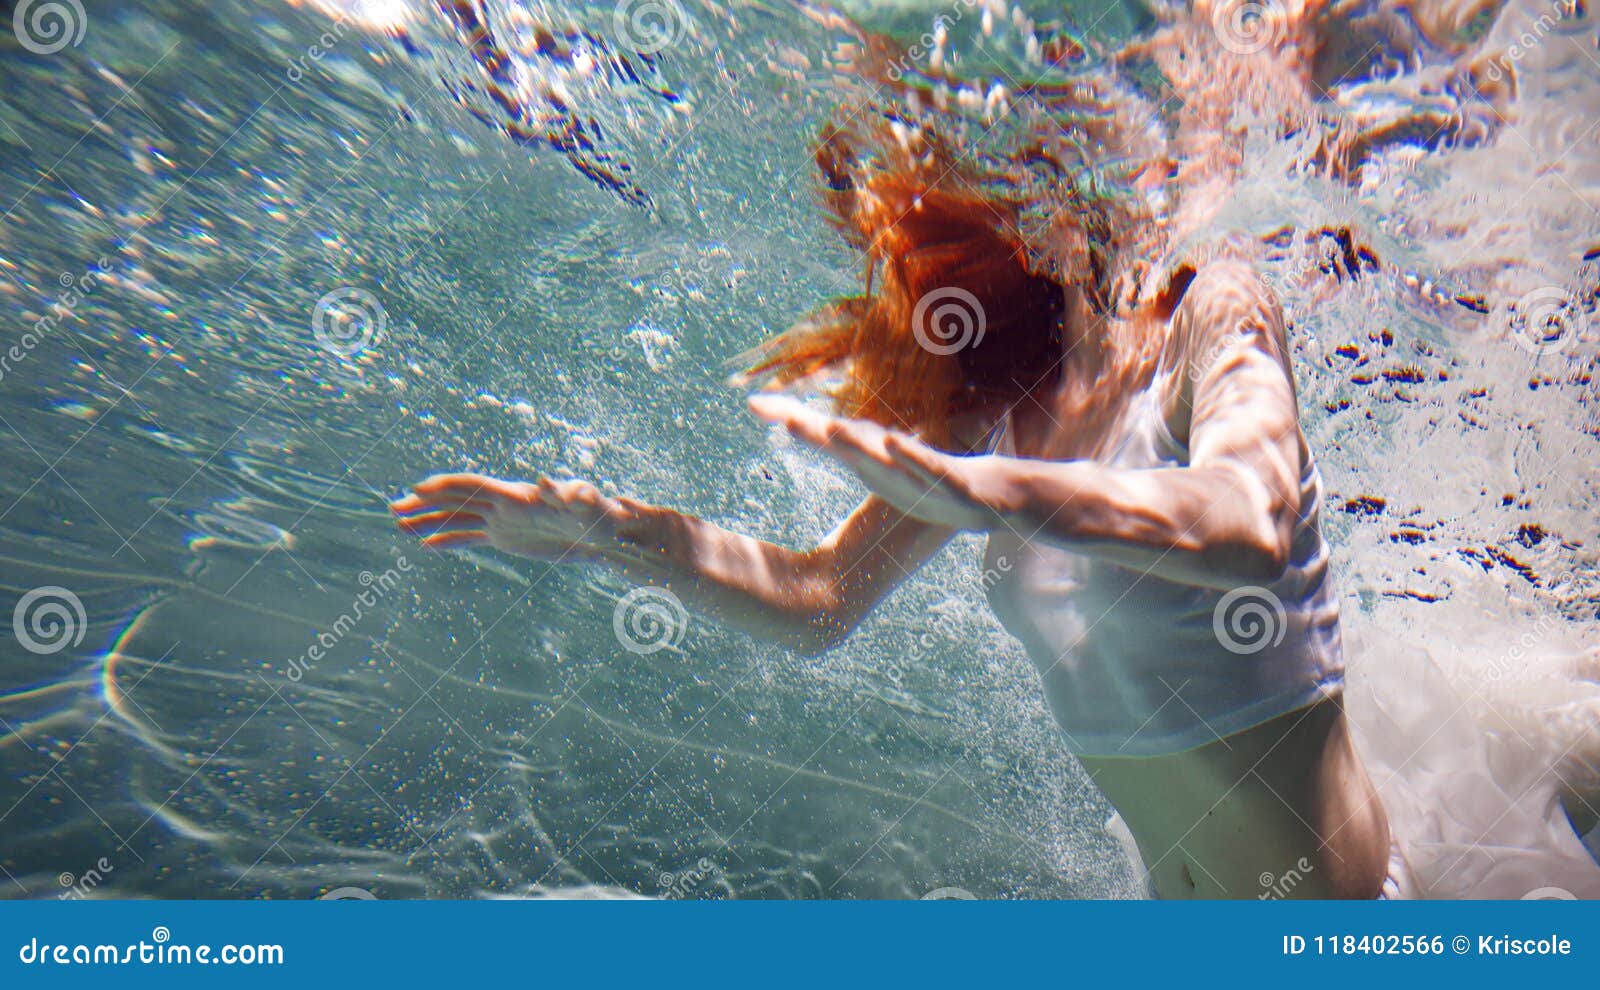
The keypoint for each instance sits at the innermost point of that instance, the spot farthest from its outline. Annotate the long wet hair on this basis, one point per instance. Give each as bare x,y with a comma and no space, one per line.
954,316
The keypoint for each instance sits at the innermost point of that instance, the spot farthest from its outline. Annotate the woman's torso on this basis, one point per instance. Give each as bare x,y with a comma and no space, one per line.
1136,665
1210,718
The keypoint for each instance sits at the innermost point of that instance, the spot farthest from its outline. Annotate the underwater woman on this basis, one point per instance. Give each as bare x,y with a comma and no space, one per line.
1119,422
1136,469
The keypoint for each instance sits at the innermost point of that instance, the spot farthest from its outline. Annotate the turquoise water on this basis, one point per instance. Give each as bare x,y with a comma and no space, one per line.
295,271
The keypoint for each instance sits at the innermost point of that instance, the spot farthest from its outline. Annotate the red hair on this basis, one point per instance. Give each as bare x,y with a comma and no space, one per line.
951,318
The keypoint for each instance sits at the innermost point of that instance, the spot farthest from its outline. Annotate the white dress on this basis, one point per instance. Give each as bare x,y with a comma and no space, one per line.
1468,748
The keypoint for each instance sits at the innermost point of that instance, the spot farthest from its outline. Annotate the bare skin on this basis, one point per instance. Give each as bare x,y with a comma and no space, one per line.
1281,810
1211,821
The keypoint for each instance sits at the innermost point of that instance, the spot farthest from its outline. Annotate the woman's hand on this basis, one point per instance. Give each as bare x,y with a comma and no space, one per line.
544,520
916,479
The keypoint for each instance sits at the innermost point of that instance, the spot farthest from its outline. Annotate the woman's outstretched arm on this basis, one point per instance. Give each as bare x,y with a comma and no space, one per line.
805,600
1226,518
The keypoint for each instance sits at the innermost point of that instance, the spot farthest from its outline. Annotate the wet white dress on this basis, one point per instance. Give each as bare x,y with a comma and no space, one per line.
1469,773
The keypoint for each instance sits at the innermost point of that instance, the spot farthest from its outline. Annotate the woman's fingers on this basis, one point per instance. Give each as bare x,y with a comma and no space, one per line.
898,468
450,541
830,434
442,522
804,424
770,407
412,504
467,486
